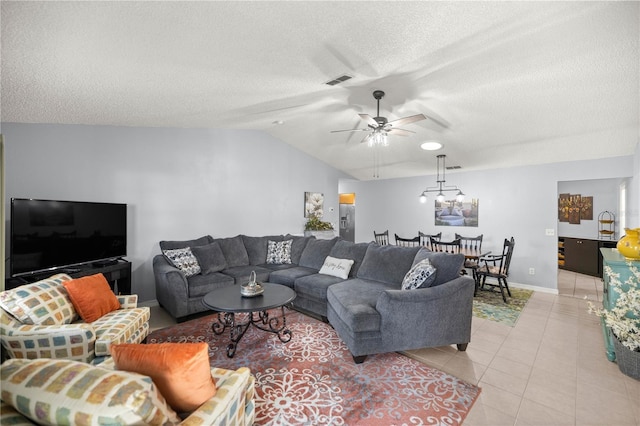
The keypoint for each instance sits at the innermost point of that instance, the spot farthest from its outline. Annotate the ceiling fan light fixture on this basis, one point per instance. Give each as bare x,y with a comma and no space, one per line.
431,145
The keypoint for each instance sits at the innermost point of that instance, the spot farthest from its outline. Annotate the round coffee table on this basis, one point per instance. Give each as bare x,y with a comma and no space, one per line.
228,301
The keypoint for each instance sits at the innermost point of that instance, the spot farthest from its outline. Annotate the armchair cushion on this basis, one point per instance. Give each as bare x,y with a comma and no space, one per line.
42,303
56,391
91,296
448,265
180,370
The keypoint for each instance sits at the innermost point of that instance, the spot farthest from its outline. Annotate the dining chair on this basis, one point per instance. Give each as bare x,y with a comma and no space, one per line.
425,239
381,238
497,267
407,242
471,245
445,246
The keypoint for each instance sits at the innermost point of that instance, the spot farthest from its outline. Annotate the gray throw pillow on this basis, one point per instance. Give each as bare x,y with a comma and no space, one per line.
210,258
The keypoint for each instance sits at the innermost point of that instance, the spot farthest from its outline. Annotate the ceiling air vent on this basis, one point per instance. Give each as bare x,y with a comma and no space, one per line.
339,80
453,167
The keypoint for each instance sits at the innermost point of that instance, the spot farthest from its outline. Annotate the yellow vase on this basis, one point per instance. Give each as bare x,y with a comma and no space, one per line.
629,245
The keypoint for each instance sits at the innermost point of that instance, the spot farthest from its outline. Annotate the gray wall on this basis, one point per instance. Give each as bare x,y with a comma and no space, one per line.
178,183
519,202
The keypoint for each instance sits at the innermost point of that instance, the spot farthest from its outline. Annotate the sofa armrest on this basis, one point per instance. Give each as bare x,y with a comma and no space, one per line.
233,402
128,301
434,314
171,284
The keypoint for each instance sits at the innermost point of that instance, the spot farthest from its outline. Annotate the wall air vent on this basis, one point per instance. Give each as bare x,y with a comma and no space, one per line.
453,167
339,80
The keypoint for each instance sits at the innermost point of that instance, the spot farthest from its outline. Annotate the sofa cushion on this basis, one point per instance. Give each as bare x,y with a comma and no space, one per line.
199,285
257,247
45,302
121,326
314,286
355,302
315,252
58,391
210,258
91,297
180,370
297,247
347,250
170,245
279,252
234,251
448,266
388,264
421,275
183,259
290,275
241,274
336,267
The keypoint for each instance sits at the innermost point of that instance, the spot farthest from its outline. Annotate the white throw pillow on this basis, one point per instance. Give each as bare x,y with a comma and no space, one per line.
279,252
336,267
421,275
184,260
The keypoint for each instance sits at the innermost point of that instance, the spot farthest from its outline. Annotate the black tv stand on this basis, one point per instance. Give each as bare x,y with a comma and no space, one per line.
117,273
103,263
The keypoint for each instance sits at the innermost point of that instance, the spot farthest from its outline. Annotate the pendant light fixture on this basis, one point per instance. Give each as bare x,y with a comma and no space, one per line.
441,188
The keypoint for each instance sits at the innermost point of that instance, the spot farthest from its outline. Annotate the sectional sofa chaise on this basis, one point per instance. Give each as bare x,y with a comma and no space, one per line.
356,287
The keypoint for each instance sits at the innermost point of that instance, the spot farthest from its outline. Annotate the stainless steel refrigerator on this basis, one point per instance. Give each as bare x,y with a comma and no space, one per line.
348,222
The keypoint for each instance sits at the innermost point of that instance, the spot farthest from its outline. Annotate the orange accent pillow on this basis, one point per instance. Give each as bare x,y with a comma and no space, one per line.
92,297
181,371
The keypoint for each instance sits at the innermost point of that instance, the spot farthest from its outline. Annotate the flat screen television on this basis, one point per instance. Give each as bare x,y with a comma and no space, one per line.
47,235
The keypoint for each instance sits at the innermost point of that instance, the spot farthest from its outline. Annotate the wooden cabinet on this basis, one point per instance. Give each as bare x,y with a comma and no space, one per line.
618,265
581,255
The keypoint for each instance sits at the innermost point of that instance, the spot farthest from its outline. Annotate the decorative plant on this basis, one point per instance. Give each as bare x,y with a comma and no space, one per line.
624,317
314,223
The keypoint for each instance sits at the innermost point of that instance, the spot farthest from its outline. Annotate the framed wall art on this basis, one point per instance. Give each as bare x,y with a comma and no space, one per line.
313,204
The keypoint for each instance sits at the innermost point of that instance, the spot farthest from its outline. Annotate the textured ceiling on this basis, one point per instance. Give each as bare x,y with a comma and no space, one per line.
508,83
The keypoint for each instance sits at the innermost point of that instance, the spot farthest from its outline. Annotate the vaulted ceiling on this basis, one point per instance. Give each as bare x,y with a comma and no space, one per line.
503,83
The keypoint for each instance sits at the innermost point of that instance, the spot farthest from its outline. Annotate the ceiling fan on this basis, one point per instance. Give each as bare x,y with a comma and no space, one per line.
380,127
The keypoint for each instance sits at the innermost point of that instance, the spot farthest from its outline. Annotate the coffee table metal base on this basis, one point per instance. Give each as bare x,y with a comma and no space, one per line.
261,320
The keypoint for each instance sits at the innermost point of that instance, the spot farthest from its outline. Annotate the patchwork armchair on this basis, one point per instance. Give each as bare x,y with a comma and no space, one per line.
79,393
39,320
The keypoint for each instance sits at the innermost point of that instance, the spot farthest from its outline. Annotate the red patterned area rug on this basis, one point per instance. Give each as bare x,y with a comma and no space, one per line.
312,380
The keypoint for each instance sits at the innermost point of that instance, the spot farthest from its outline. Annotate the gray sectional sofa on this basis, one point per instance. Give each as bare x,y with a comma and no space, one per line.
369,310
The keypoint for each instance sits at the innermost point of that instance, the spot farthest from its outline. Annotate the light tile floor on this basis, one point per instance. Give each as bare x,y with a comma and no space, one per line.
550,369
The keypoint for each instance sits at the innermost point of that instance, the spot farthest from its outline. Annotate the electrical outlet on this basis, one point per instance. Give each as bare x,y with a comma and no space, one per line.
550,232
532,271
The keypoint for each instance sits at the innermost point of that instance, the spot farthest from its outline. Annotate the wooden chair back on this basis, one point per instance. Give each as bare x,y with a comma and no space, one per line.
470,243
407,242
381,238
425,239
446,246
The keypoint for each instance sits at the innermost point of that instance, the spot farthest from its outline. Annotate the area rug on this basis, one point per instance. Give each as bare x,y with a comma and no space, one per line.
488,304
313,380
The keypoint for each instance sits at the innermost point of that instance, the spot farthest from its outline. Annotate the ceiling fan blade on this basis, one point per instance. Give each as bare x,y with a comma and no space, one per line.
351,130
407,120
400,132
369,119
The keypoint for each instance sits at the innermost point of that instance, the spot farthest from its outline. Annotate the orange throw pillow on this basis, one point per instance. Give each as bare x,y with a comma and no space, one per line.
91,297
181,371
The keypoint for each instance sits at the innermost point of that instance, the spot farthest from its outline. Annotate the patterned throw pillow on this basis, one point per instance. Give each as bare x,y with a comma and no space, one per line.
421,275
279,252
45,302
184,260
60,391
